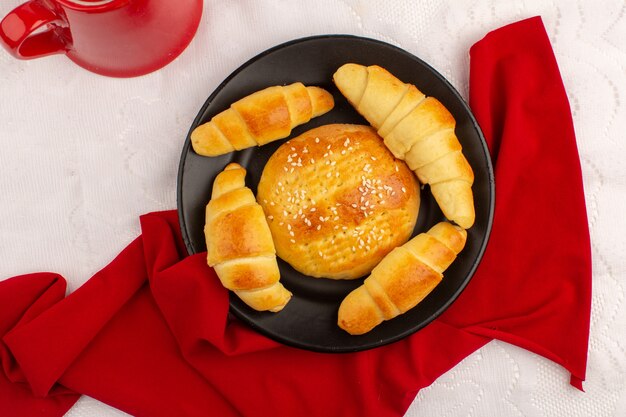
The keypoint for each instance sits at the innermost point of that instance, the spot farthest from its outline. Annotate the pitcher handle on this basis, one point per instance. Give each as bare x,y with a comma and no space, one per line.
20,36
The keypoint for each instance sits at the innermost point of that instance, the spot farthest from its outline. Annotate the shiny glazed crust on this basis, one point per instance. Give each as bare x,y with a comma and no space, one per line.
402,279
260,118
239,243
337,201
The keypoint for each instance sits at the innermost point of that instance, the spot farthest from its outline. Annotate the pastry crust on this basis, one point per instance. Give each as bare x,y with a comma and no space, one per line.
337,201
260,118
402,279
239,243
416,129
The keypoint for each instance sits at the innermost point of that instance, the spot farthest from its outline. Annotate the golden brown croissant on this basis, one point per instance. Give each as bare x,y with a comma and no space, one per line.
402,279
261,117
416,129
239,243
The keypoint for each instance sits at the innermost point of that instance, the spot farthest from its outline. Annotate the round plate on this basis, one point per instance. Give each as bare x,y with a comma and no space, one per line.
309,320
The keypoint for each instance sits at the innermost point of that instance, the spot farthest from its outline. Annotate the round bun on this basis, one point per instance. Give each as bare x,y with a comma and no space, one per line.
337,201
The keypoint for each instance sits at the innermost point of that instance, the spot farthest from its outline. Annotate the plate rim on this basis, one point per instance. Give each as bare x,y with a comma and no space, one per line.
490,177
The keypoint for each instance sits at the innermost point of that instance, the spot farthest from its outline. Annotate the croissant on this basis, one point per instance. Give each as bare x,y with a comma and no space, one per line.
404,277
262,117
416,129
239,243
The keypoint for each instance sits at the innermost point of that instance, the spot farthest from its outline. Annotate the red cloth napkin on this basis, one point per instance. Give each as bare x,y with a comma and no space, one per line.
150,333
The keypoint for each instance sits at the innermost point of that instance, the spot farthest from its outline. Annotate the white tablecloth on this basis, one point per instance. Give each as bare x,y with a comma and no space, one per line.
82,156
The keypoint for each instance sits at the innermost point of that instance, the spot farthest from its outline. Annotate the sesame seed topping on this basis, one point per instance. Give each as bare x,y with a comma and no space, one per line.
317,140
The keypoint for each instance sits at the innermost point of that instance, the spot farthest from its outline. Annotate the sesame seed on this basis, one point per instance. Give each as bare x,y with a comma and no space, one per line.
403,190
320,254
319,226
317,140
270,217
292,240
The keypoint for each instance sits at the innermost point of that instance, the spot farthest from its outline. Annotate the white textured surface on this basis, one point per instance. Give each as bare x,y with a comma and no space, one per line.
83,155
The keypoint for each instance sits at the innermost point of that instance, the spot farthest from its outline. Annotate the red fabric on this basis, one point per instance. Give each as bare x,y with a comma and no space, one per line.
150,333
538,262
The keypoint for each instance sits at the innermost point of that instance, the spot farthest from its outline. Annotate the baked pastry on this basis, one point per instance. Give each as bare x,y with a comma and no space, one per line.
337,201
239,243
402,279
418,130
261,117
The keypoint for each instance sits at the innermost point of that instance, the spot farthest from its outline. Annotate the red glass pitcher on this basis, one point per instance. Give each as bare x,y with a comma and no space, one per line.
118,38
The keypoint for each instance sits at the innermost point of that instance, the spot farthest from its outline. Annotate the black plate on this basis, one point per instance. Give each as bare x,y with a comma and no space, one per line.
309,319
